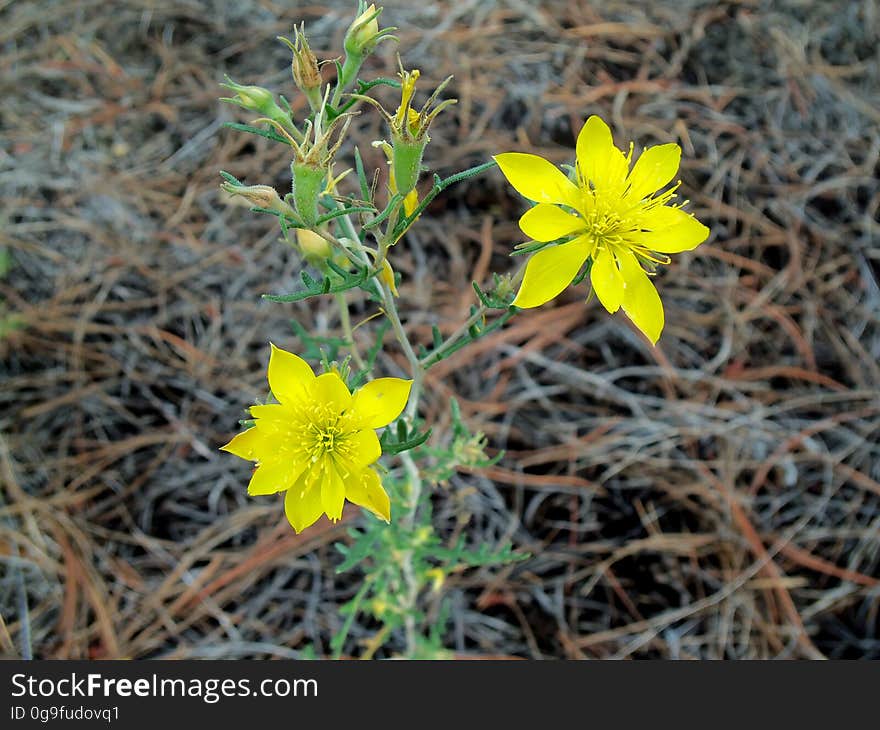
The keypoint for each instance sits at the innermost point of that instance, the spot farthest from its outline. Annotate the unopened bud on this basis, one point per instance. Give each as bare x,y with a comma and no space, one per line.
261,196
363,33
304,67
256,99
504,286
314,247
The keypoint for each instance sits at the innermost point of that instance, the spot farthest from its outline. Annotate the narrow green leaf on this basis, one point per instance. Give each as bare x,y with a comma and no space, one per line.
339,212
361,174
268,134
229,178
327,285
585,272
408,441
392,204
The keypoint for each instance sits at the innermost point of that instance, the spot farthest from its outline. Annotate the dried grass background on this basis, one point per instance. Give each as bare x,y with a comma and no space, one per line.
718,496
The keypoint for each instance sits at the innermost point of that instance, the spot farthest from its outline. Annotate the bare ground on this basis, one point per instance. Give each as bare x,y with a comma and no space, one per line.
718,496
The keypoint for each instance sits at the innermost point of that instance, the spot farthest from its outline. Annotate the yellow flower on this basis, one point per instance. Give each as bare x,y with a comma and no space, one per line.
613,215
319,441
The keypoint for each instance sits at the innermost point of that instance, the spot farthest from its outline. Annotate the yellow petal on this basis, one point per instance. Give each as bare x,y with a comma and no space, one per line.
387,275
607,280
329,389
598,159
537,179
380,401
551,270
365,448
270,412
410,202
655,167
332,492
302,505
274,477
244,445
547,222
289,375
366,490
261,442
641,302
671,231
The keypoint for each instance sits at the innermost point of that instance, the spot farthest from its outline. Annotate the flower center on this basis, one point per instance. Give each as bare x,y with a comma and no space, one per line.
322,433
603,225
323,438
326,437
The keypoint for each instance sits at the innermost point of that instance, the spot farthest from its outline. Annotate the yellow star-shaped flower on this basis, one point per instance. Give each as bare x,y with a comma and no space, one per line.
612,215
319,441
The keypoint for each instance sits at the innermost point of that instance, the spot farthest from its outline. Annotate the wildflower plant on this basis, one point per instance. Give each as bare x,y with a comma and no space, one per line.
343,431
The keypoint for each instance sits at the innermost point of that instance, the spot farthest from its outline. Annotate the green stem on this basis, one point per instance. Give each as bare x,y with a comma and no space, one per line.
355,606
437,355
449,343
394,229
439,186
345,321
347,76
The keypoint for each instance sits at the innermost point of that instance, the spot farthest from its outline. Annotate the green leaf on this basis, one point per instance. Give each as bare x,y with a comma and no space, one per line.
475,331
267,133
350,610
405,440
339,212
333,282
392,204
286,221
316,347
585,272
230,178
363,88
439,186
361,174
522,249
358,551
491,299
481,557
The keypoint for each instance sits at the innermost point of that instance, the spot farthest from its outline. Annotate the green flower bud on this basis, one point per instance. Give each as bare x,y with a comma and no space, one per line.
257,99
363,33
314,247
261,196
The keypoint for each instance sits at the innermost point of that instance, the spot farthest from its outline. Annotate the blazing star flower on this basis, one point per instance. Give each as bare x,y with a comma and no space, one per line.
612,215
319,441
